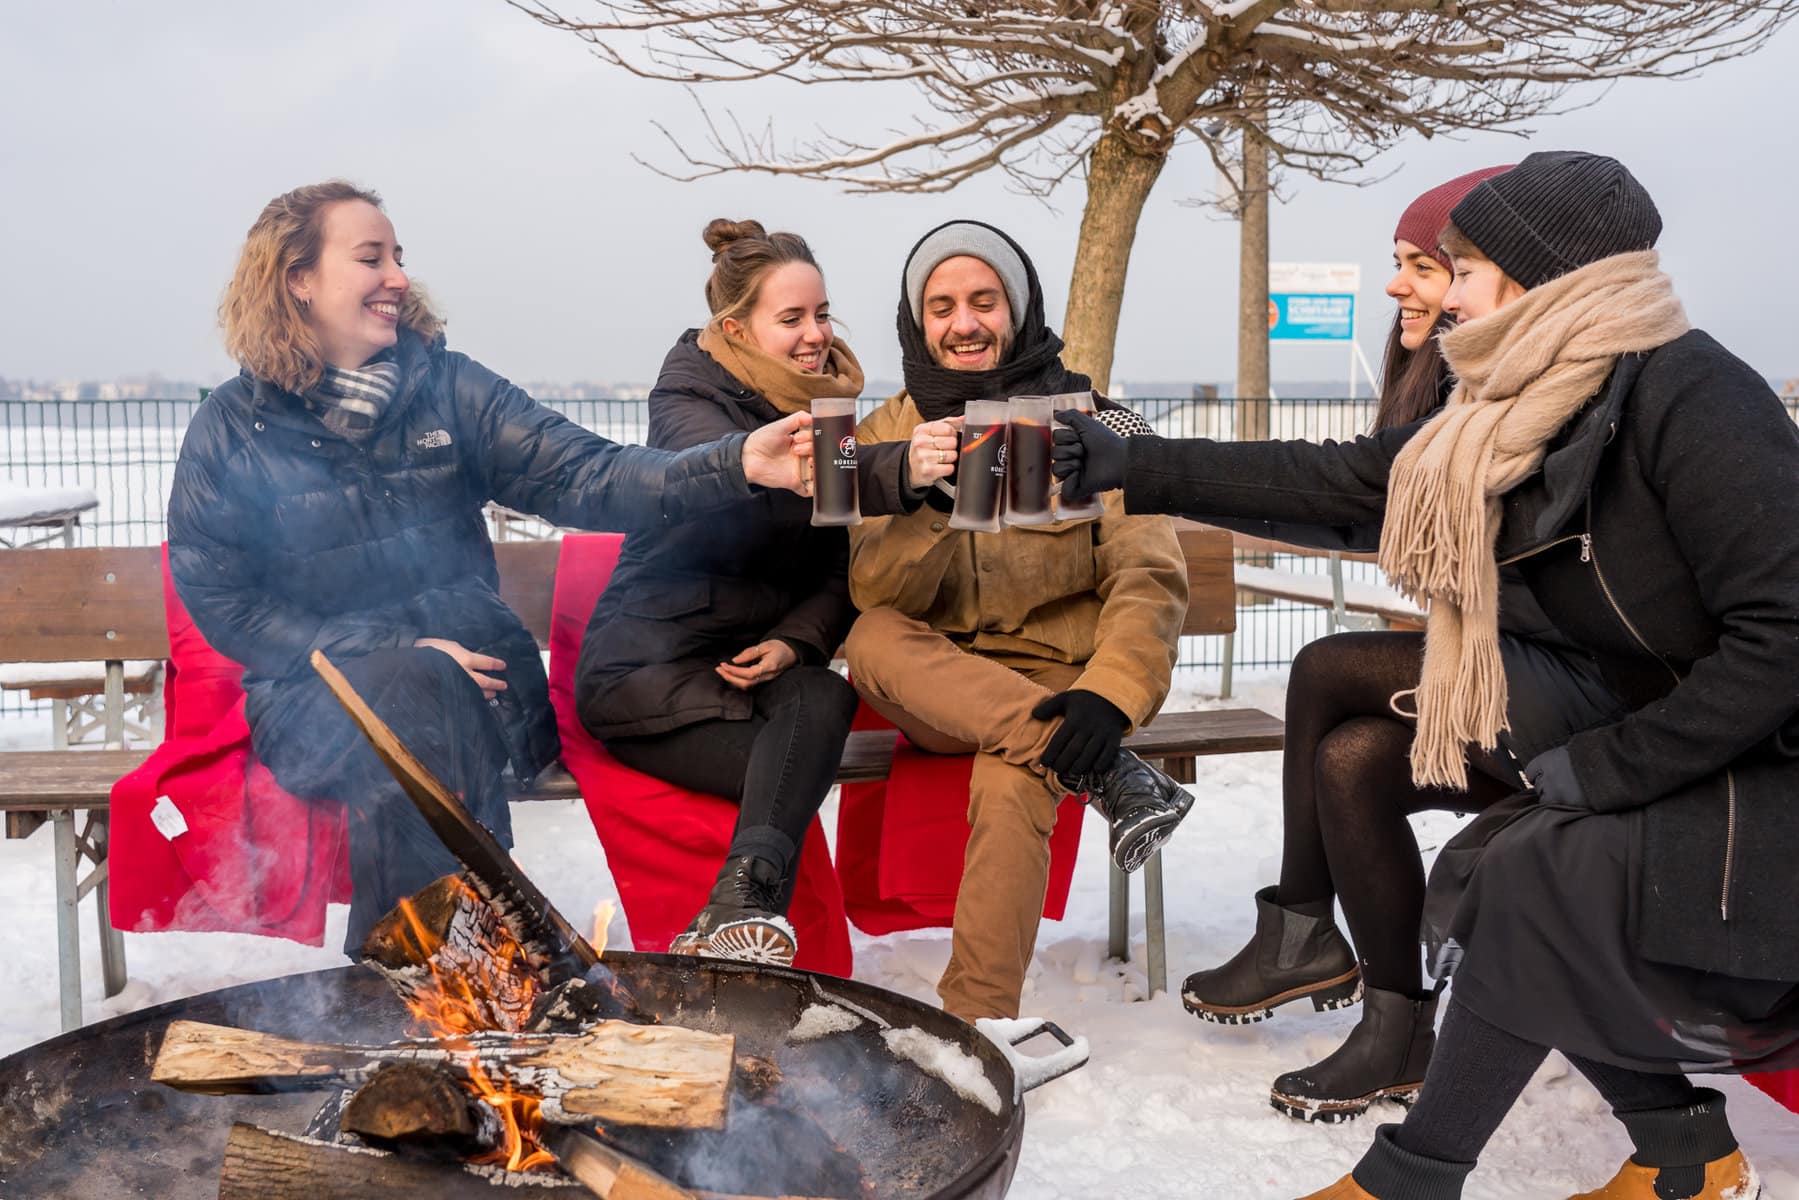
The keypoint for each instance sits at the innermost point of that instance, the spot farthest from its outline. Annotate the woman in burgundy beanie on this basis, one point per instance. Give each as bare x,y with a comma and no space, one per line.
1415,380
1345,839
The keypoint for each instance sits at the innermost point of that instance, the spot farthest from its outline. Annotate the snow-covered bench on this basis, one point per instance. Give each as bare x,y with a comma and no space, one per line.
80,605
39,509
1344,597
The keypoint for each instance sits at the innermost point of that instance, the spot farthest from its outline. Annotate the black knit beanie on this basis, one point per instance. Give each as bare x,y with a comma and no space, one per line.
1555,212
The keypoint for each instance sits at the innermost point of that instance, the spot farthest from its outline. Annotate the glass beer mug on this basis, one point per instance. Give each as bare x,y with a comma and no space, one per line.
1028,428
981,467
1093,506
834,496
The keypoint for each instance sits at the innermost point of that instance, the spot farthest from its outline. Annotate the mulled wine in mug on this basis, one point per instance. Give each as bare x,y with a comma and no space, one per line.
981,467
1028,430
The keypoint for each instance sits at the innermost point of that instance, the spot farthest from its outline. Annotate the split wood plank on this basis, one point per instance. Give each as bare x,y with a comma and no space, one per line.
661,1076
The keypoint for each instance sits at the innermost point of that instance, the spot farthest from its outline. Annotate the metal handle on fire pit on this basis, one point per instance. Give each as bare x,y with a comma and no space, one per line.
1033,1071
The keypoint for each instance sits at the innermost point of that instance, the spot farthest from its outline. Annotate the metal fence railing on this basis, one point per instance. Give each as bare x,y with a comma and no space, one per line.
125,451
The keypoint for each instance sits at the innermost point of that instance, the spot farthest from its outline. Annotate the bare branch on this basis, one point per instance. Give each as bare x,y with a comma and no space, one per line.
1019,85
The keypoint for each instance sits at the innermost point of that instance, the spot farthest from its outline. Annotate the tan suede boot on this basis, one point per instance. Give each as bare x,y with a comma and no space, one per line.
1727,1178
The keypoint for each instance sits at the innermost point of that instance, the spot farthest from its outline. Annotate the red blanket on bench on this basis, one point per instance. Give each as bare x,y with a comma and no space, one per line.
900,842
252,858
664,844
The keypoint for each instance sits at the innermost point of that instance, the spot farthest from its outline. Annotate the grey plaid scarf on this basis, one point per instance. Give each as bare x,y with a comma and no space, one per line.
351,400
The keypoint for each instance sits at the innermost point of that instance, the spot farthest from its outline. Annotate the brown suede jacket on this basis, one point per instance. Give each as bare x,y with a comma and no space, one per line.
1108,591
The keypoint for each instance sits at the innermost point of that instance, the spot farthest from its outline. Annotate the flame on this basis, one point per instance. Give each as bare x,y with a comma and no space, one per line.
602,921
494,985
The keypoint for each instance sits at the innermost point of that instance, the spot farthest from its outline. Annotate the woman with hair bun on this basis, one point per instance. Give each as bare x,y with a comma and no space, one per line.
329,498
707,660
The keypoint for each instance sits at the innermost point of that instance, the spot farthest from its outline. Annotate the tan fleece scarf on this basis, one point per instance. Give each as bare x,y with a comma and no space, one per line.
777,380
1522,372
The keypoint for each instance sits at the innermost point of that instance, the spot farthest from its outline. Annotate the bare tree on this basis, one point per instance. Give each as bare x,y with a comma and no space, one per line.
1042,88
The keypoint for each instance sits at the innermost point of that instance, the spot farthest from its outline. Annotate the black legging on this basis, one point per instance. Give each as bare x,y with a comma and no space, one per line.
1347,790
778,765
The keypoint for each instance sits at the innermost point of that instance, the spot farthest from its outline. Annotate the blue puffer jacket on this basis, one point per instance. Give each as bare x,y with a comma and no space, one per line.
285,538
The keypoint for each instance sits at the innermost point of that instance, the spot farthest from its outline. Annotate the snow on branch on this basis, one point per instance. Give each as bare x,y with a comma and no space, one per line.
1028,86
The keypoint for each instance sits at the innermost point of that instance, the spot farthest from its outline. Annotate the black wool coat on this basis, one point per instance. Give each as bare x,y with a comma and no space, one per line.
1661,537
285,538
683,600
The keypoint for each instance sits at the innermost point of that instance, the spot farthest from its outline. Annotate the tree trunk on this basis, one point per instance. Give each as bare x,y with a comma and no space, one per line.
1252,282
1119,180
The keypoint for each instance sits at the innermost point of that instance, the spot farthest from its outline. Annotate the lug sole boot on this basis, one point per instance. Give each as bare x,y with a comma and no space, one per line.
1141,805
1727,1178
741,919
1291,957
1384,1058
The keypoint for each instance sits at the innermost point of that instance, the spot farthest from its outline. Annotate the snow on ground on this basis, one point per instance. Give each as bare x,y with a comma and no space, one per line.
1167,1107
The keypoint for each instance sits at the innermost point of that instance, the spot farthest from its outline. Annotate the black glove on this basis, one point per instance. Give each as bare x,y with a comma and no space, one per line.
1087,456
1088,739
1552,777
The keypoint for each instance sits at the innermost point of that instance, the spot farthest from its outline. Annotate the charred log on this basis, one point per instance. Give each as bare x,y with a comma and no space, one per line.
423,1110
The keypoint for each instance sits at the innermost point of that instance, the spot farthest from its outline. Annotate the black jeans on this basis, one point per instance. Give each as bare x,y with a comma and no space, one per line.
778,765
302,734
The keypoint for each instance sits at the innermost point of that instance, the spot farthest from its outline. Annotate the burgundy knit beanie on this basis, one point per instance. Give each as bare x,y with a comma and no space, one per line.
1423,222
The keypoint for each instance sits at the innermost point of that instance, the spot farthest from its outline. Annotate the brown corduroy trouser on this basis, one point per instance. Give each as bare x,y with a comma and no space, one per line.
947,700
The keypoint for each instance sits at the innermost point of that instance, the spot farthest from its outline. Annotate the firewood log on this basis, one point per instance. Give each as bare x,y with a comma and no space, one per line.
451,933
422,1107
264,1165
660,1076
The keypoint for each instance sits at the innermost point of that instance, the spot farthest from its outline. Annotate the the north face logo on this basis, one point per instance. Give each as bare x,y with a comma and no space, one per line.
434,439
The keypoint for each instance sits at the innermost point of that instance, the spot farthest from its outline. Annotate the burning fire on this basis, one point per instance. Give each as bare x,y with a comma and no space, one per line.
602,921
494,988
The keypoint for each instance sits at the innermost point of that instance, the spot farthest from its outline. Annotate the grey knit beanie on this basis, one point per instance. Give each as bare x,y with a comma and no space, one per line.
1556,212
977,241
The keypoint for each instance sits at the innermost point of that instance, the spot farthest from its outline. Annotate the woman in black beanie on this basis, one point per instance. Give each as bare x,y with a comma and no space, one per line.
1631,907
1346,789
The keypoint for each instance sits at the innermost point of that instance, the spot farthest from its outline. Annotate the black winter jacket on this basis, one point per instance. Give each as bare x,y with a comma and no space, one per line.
285,538
686,599
1661,535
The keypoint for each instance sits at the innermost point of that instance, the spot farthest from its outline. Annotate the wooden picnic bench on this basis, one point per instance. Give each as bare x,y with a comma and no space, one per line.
107,605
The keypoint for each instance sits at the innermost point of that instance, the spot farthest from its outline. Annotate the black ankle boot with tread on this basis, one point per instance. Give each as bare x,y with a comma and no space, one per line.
1384,1058
1292,956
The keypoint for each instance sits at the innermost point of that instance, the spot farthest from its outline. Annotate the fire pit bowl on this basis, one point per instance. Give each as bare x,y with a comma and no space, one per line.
80,1116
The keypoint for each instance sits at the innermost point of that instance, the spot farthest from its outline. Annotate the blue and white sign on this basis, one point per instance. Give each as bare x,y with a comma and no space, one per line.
1312,302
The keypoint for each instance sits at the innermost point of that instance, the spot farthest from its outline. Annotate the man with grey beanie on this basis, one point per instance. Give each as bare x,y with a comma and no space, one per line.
1035,648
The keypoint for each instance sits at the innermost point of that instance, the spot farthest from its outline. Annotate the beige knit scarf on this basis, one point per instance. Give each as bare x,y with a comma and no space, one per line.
1522,372
777,380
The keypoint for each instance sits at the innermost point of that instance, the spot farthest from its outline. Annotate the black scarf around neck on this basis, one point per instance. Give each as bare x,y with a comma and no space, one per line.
1033,365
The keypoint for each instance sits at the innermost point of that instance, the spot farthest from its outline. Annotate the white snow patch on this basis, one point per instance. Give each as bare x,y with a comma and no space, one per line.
822,1020
950,1063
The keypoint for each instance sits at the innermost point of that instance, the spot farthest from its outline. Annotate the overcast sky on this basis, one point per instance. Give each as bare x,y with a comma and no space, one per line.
138,141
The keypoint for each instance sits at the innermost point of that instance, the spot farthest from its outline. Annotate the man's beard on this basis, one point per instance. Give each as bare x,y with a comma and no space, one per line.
1002,346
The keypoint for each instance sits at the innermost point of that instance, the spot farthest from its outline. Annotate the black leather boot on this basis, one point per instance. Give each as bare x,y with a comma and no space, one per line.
1384,1058
742,917
1291,957
1141,804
